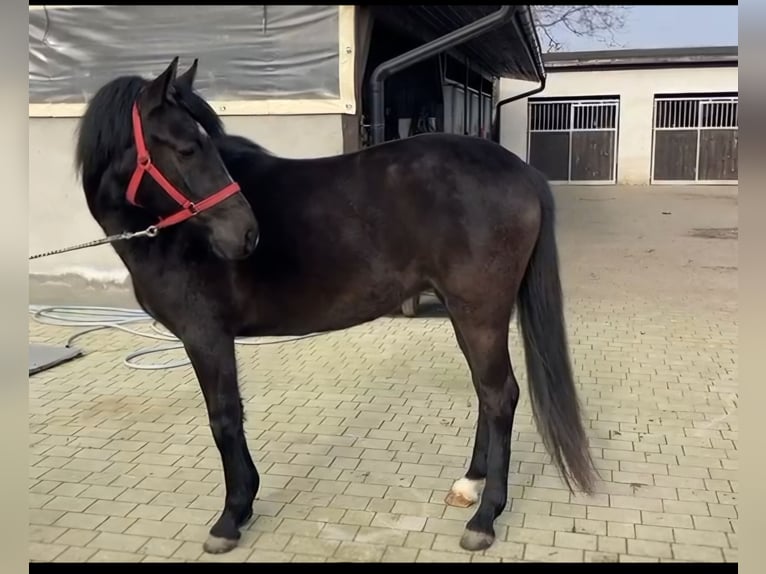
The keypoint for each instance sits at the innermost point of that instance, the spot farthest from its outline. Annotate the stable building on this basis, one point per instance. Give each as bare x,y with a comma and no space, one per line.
635,117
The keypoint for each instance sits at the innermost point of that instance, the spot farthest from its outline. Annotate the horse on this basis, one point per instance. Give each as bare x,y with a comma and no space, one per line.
244,243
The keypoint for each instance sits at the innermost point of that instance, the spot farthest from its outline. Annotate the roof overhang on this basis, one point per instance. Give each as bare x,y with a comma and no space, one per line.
651,58
511,50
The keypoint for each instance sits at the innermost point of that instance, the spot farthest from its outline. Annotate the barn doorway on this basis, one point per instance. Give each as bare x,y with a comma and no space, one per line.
444,93
413,97
574,140
695,139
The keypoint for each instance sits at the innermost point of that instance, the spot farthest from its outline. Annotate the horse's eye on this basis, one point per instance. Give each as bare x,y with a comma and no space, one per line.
186,151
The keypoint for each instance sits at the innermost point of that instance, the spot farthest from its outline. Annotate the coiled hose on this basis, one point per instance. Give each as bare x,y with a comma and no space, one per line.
93,318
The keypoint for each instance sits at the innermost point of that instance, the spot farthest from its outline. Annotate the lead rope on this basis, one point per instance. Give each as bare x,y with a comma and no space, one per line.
150,231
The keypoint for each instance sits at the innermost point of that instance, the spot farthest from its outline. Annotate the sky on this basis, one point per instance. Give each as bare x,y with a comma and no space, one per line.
668,27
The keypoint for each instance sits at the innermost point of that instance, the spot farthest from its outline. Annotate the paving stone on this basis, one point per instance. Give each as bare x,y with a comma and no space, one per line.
359,552
76,537
441,556
44,552
262,555
118,542
536,553
576,540
658,533
305,545
115,556
396,554
697,553
45,534
75,554
701,538
399,521
649,548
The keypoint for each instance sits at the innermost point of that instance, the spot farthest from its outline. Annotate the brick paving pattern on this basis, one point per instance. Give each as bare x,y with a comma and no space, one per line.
358,436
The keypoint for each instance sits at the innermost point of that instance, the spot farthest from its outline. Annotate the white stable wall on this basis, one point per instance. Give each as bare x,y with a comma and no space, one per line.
636,90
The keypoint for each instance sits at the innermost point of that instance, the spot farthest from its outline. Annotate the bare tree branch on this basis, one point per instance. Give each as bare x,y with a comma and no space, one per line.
597,22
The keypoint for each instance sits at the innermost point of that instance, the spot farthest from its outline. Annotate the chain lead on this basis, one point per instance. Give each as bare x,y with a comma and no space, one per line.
150,231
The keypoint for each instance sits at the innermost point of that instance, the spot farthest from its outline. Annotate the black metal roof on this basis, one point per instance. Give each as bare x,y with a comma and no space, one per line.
501,52
648,58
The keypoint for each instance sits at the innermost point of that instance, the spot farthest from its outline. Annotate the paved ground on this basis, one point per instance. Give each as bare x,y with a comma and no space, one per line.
358,435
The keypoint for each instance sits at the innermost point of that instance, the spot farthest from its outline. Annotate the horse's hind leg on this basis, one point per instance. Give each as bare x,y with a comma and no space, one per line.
483,336
466,491
213,357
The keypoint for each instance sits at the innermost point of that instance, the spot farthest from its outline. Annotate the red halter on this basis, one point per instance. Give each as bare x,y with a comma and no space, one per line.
145,165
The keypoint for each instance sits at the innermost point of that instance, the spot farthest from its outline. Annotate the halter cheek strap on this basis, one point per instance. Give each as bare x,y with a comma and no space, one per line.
144,165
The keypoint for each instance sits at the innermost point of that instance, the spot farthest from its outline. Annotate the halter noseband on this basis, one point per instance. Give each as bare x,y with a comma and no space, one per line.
144,165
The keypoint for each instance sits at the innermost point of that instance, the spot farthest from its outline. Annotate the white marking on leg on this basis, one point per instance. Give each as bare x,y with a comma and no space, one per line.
465,492
468,489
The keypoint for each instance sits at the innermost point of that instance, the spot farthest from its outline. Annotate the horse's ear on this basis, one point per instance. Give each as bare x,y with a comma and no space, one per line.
157,92
186,80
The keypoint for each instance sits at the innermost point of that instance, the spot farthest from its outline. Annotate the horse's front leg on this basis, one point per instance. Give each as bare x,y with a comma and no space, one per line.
212,356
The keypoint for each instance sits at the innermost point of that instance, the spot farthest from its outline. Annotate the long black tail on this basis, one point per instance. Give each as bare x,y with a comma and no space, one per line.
555,404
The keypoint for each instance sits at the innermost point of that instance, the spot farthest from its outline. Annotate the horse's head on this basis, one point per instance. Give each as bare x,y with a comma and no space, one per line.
184,155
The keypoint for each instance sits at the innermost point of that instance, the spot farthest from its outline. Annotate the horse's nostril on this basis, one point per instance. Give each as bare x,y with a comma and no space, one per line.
251,239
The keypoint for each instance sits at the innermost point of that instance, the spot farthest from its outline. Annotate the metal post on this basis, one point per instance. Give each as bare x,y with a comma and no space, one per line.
481,105
386,69
466,100
571,126
699,134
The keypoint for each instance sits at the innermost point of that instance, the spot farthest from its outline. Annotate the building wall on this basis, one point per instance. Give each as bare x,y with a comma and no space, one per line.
636,89
58,214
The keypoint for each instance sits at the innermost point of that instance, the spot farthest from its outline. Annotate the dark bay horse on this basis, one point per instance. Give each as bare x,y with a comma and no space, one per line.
316,245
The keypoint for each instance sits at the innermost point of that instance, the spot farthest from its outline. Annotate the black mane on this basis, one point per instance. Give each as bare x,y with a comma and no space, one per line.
106,129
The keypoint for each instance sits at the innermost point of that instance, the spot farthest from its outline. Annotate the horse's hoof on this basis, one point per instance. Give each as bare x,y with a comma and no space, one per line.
464,493
217,545
474,541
